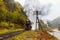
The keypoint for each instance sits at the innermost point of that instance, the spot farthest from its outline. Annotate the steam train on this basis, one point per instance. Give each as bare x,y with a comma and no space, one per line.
28,25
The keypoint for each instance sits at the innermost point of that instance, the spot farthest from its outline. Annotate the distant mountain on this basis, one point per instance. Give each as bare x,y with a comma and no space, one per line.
55,23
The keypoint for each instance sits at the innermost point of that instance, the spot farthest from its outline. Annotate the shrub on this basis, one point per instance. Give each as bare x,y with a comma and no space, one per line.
11,25
4,24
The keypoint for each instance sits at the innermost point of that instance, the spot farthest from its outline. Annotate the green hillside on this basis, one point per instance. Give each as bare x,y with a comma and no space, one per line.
11,14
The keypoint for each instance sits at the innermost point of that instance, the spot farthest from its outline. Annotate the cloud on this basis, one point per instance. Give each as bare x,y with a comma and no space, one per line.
55,11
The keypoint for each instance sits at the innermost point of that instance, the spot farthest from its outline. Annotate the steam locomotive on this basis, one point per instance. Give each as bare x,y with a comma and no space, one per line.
28,25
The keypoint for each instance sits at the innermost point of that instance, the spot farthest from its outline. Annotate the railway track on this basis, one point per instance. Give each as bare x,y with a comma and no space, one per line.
5,36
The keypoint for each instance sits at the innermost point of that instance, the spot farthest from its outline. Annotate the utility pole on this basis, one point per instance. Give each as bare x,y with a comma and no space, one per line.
37,20
38,25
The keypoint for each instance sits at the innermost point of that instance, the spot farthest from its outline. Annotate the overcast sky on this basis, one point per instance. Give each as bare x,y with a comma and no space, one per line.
54,12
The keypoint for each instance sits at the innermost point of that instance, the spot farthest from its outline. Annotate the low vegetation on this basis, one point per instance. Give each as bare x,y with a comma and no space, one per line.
33,35
4,31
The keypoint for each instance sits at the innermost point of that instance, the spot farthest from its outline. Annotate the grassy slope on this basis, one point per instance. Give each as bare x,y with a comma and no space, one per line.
33,35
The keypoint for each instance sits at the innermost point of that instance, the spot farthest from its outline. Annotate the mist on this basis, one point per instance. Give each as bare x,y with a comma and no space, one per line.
32,6
52,13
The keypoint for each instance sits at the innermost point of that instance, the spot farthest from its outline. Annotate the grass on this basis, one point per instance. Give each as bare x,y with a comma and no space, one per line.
28,35
47,36
4,31
33,35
